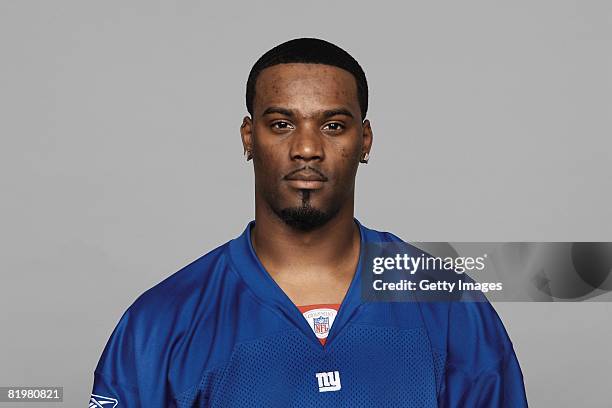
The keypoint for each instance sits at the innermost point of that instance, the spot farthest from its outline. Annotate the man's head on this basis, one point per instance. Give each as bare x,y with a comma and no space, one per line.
309,51
307,133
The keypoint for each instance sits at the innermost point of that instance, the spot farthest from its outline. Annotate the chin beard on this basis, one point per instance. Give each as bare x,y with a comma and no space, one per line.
305,217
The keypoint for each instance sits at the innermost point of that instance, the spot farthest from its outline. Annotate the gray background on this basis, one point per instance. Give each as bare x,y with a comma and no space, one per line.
121,161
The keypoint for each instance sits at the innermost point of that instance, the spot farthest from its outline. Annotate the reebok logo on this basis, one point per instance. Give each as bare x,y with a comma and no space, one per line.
98,401
329,381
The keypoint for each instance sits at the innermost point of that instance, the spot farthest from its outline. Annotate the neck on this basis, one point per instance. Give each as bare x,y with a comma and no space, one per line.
288,253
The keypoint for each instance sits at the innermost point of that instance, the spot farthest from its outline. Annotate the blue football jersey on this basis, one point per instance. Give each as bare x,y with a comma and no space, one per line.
221,333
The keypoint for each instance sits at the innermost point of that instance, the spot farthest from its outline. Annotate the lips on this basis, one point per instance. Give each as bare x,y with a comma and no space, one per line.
306,176
306,179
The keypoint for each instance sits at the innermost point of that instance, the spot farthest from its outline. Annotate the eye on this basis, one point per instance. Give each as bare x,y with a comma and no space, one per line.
281,125
334,126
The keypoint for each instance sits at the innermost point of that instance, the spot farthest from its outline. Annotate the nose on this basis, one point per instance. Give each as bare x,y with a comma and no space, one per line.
306,145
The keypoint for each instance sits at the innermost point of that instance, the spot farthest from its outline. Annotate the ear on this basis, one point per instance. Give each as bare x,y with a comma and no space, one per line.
367,137
246,134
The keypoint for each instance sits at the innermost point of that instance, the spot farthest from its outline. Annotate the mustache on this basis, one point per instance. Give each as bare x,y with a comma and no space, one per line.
306,169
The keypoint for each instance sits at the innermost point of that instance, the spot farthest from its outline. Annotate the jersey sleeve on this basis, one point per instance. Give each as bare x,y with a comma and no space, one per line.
482,369
115,377
109,393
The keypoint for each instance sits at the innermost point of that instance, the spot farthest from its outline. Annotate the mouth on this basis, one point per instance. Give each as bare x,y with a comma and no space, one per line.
306,179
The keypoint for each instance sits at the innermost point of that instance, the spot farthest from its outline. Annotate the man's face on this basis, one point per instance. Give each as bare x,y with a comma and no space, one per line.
306,138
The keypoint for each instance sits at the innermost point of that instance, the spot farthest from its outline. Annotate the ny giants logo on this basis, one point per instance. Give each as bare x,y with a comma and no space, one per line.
329,381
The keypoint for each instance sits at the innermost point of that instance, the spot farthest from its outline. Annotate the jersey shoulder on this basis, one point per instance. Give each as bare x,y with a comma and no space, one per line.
454,324
182,291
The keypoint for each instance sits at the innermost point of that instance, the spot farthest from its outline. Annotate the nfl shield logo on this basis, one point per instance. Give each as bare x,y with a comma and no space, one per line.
321,325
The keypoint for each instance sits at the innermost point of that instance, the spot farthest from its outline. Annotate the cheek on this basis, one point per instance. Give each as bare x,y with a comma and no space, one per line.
266,161
267,146
350,156
350,147
349,159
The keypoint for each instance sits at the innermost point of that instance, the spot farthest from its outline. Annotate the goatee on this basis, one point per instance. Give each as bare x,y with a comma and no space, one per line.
305,217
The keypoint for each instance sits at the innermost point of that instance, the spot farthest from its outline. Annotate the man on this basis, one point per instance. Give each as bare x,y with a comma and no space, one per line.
275,318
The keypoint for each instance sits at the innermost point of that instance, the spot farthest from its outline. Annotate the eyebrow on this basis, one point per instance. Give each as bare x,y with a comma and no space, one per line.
276,109
337,111
290,113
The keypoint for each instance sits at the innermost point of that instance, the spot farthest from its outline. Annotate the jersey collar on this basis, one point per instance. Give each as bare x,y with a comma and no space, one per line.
260,282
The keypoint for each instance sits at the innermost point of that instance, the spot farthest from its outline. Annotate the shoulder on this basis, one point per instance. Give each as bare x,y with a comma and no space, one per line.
160,315
181,292
169,308
470,334
477,326
454,324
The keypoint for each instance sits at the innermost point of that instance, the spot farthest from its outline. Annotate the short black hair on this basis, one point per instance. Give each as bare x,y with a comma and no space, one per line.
309,51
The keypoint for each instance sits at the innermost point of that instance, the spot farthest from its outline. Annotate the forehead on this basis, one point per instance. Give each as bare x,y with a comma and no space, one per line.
306,87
